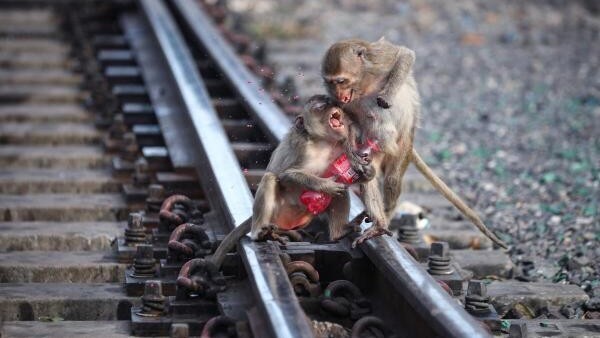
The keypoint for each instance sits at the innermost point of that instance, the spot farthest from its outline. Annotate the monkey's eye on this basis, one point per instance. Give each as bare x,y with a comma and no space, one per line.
340,81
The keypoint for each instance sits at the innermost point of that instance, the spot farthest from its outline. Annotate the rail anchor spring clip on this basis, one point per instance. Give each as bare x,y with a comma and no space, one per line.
176,210
199,277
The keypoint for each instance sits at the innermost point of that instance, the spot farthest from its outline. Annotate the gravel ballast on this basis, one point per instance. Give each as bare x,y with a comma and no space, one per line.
511,108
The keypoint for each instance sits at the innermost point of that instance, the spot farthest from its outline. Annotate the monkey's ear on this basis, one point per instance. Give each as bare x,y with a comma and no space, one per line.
361,51
299,122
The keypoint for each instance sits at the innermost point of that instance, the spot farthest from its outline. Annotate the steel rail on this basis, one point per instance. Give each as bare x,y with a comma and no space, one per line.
408,277
220,174
259,103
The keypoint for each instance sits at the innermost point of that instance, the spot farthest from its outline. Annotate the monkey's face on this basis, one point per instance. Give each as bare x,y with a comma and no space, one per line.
322,119
341,87
332,121
342,69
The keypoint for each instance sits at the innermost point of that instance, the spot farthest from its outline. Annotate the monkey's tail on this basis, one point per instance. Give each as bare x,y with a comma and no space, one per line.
229,242
453,198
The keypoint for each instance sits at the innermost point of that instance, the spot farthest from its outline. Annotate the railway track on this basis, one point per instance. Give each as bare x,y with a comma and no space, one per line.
139,122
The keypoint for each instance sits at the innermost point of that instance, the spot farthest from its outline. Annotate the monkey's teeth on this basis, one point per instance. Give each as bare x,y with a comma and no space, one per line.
335,122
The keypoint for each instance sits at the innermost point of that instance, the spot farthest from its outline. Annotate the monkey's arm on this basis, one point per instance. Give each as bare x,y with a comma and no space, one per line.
312,182
359,163
350,144
405,59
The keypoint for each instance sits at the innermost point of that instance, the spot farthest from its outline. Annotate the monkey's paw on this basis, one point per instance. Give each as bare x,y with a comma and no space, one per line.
362,165
269,232
383,103
360,158
372,232
367,172
333,188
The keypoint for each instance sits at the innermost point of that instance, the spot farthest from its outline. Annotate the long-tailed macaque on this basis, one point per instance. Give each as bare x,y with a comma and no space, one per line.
374,82
296,165
318,138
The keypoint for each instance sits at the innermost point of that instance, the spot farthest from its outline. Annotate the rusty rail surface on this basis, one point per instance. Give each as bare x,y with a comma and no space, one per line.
221,174
407,276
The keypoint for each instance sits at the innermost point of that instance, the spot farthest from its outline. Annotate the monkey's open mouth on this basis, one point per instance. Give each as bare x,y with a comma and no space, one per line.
335,120
348,98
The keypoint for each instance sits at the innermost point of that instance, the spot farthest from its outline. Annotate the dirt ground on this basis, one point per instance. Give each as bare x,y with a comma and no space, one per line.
511,107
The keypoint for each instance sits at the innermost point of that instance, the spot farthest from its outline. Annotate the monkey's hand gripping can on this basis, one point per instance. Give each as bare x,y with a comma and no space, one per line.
317,201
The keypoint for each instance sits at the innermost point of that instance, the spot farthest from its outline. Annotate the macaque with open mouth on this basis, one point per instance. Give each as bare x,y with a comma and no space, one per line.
319,137
373,82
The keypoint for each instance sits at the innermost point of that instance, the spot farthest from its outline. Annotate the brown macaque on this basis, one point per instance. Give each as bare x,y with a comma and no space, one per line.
374,83
318,137
296,166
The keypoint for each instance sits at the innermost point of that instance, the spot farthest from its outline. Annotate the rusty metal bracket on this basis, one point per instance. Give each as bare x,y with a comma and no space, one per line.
344,299
304,278
200,276
190,240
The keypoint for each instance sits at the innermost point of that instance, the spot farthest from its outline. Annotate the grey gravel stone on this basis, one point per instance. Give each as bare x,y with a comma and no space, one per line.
593,304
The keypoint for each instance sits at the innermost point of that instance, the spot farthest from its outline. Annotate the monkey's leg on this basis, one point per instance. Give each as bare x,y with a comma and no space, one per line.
372,232
392,184
374,205
338,212
354,224
373,199
264,204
